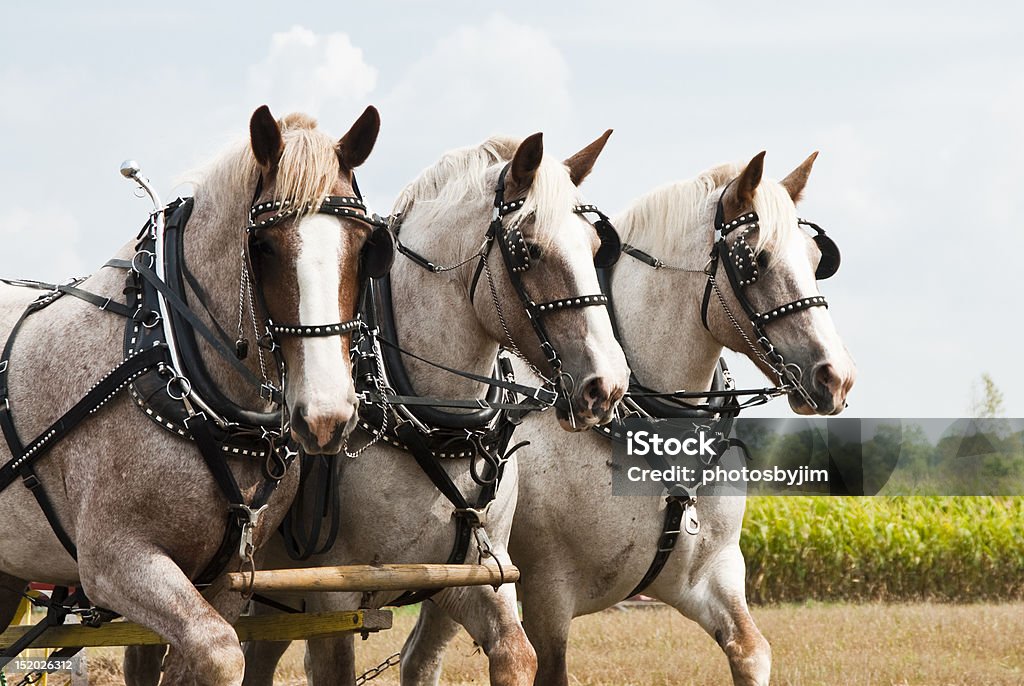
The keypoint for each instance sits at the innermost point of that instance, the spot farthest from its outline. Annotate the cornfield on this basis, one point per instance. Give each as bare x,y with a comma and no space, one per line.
899,548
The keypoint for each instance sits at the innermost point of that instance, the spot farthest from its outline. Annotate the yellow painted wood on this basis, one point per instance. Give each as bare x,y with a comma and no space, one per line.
397,577
284,627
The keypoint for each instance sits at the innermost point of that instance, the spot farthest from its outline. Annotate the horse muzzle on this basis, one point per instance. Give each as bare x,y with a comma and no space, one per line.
828,385
322,431
592,405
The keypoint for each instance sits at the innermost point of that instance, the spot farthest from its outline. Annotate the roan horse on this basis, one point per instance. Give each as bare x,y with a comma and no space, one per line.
390,510
143,511
581,551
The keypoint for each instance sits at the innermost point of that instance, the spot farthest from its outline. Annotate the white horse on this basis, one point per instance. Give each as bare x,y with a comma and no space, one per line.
582,550
136,500
391,511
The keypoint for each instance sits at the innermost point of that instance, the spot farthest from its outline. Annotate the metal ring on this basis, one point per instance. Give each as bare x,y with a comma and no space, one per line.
152,319
152,259
184,384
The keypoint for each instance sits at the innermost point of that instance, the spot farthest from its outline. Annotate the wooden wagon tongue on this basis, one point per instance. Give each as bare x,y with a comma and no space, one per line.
368,578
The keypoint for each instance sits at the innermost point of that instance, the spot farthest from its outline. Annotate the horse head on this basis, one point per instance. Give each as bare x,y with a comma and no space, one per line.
769,306
548,250
309,239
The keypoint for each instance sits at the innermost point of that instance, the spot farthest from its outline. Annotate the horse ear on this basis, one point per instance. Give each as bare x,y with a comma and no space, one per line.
797,179
524,165
740,195
265,136
356,145
582,162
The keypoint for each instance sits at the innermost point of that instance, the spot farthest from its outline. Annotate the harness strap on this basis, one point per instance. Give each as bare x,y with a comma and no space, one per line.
670,531
104,390
465,519
24,458
303,545
56,611
197,324
99,301
545,397
241,515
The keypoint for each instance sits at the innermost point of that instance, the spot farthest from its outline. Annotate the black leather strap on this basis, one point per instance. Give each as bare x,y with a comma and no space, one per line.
318,472
183,310
670,531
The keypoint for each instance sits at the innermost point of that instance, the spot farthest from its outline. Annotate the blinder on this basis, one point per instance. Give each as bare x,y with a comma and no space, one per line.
516,251
744,259
611,245
378,253
831,258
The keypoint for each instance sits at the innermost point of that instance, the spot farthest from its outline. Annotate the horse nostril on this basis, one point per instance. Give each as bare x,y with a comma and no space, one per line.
596,395
827,377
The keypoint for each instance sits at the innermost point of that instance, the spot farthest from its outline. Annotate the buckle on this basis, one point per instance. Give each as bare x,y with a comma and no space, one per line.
31,481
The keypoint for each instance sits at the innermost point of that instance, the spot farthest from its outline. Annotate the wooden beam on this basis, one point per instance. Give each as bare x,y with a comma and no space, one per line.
374,578
282,627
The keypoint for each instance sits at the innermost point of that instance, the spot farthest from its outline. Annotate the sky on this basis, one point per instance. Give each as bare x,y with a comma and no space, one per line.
917,109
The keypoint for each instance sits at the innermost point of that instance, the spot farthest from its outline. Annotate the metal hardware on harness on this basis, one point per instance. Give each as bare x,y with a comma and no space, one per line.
248,519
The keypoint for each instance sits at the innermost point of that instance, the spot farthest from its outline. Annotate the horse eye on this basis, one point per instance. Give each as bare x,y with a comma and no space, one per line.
536,252
264,247
762,259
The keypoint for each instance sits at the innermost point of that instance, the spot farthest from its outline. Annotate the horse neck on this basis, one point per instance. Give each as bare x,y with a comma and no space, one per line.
213,240
434,318
658,313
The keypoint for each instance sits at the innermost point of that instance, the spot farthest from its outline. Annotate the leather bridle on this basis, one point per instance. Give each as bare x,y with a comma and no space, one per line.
740,264
375,261
516,254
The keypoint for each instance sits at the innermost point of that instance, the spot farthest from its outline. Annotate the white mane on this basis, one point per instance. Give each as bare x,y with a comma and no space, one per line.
461,176
671,220
307,171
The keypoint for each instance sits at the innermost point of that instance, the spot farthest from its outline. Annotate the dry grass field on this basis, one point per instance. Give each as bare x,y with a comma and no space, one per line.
853,645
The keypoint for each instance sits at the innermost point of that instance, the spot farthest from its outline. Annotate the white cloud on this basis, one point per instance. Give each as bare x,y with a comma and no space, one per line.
322,75
497,77
40,244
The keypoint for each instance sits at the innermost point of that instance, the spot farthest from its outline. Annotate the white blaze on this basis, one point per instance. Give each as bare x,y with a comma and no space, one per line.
327,382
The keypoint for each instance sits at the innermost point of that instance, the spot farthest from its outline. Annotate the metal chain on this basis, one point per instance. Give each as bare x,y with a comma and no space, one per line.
376,434
255,326
375,672
382,390
241,294
512,347
439,269
736,325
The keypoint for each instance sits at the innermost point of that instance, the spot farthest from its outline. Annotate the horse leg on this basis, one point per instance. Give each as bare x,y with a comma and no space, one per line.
331,661
492,620
229,605
11,590
547,616
719,605
140,582
261,658
143,665
424,648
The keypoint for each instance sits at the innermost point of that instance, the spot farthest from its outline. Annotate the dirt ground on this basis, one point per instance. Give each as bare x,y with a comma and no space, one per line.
852,645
